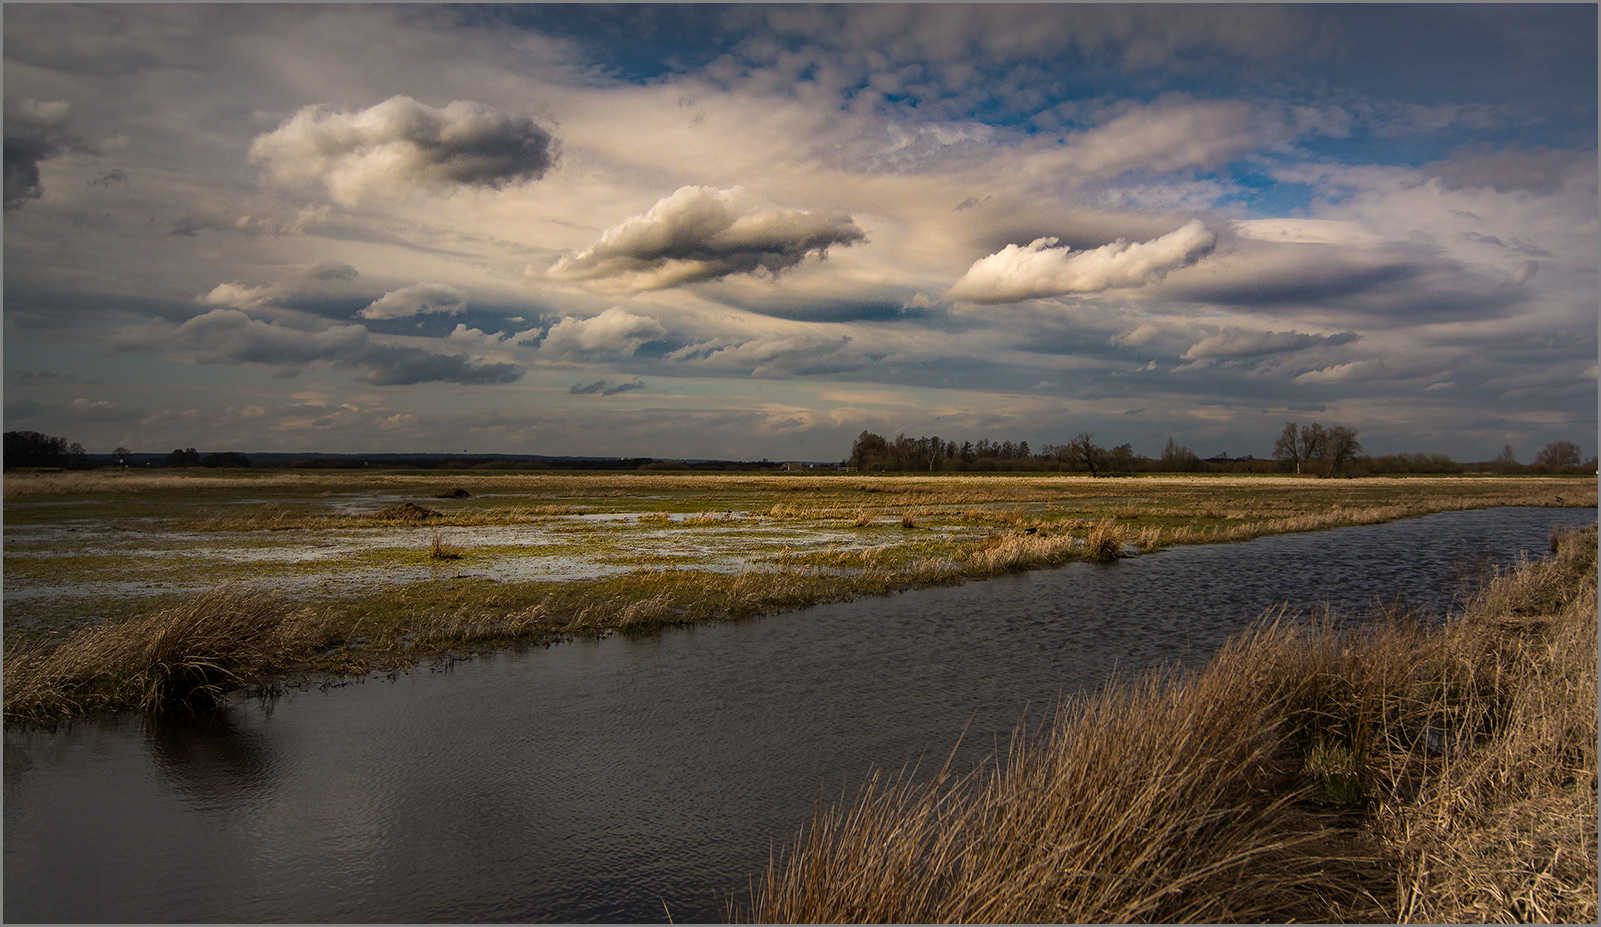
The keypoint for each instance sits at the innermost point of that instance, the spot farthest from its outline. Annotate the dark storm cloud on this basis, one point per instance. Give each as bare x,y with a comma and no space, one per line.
1236,343
1302,275
105,180
393,366
1527,170
702,233
189,226
827,309
605,388
34,132
402,142
330,270
229,336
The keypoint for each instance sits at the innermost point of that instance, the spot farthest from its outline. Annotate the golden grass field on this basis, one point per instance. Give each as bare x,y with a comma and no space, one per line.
356,571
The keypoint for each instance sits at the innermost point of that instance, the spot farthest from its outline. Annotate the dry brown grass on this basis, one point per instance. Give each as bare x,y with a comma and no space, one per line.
443,548
1011,552
1391,771
185,656
1105,542
1505,830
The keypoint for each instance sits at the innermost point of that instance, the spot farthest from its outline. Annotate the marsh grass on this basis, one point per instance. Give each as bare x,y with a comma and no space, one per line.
1105,542
1312,770
442,548
1012,552
676,534
183,657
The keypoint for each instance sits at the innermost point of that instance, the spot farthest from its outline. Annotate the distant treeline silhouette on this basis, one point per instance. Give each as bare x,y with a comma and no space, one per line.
32,449
1313,448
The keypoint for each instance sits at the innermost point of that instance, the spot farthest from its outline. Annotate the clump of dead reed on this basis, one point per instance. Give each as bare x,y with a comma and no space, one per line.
189,655
1010,552
442,548
1149,538
1312,770
1105,542
1505,830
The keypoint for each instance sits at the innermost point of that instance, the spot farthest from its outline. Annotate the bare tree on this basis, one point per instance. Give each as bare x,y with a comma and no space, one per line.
1176,458
1339,445
1287,449
1558,455
1310,444
1507,461
1085,451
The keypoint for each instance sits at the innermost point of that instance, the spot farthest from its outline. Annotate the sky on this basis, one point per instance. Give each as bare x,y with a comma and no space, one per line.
747,231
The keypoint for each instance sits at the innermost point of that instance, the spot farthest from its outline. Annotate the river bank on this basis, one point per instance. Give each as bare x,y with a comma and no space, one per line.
1391,771
113,598
637,777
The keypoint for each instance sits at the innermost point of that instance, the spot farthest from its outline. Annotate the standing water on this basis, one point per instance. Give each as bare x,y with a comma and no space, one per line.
632,778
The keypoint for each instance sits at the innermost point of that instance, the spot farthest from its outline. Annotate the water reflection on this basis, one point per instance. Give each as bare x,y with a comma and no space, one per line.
210,757
600,781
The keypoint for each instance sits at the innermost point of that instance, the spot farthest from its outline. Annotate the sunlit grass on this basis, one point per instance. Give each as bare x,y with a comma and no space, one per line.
118,546
1311,771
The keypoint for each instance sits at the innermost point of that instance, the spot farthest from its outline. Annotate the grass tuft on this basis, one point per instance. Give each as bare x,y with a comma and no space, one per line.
1105,542
443,549
183,657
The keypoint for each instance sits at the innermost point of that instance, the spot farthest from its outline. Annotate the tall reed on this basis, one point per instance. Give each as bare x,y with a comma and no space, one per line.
1313,770
185,656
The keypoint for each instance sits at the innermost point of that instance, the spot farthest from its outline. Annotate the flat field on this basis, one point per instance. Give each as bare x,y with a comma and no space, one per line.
396,566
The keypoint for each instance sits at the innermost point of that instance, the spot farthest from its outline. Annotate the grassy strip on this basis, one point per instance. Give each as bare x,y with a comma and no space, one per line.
407,621
186,656
193,653
1390,771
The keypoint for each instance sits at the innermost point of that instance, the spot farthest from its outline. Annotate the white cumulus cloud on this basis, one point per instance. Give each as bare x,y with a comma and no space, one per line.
1042,268
238,296
702,233
402,143
416,300
614,333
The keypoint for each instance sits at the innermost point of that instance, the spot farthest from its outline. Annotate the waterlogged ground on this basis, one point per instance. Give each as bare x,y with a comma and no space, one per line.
85,548
55,568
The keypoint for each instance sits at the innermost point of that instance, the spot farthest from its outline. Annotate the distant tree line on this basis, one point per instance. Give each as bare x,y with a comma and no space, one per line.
1556,457
873,452
1313,449
32,449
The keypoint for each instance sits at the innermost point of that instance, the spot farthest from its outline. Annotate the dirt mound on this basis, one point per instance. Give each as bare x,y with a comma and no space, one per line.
457,493
411,511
